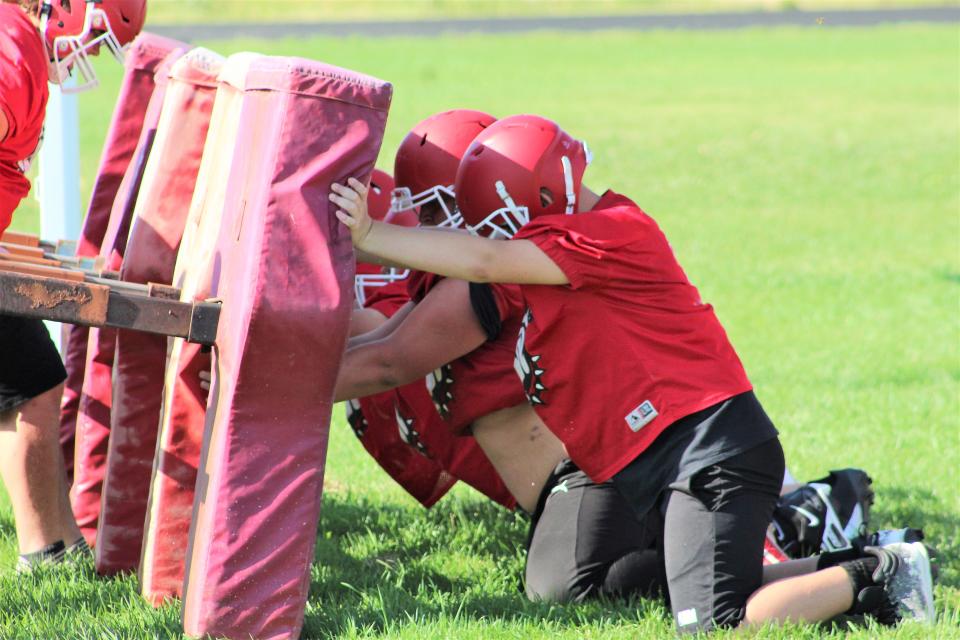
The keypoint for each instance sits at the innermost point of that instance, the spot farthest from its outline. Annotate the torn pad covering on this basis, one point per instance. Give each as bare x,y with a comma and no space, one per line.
93,419
140,358
284,270
174,477
140,65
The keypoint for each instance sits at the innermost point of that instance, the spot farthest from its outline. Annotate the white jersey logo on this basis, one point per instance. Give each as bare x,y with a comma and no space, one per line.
528,366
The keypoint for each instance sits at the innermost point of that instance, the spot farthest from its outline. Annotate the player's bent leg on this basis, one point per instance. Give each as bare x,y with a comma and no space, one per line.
585,542
31,378
714,530
39,420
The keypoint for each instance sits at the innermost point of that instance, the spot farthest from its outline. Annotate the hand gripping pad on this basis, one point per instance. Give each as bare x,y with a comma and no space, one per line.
93,419
159,218
170,503
283,267
142,59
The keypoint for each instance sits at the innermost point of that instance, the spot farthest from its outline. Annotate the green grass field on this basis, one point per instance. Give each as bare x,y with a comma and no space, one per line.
809,181
204,11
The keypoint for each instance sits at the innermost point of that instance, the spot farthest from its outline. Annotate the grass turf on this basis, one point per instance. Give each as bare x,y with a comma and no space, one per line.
808,180
207,11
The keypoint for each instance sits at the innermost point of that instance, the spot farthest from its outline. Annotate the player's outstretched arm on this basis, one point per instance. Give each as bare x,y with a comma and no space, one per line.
455,255
439,329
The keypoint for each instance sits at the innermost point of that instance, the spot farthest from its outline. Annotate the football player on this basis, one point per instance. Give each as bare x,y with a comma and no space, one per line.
399,427
583,540
633,372
41,41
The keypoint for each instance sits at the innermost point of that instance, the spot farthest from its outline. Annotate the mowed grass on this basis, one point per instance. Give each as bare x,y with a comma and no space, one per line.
808,181
219,11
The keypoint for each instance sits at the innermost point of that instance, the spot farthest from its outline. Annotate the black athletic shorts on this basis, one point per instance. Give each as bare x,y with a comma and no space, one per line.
715,522
586,541
29,361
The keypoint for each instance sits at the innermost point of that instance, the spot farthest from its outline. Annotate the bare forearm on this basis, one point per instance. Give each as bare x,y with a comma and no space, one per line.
383,330
365,371
436,251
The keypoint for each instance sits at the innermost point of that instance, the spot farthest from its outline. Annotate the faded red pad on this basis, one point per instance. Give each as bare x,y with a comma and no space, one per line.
170,505
142,60
283,267
93,419
159,219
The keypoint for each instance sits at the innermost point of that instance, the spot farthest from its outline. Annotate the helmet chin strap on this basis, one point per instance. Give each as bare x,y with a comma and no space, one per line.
568,183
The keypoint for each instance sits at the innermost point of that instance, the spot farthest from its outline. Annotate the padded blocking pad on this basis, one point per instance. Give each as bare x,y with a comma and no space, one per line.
93,419
151,253
283,267
142,59
170,504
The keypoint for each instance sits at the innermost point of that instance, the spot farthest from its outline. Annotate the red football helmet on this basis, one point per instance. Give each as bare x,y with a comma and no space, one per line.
370,276
427,160
519,168
74,30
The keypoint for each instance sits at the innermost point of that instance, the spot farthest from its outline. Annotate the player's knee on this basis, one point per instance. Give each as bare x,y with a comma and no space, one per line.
560,588
39,417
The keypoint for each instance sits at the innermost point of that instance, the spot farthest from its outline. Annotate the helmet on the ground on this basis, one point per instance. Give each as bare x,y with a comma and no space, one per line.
519,168
427,160
73,30
371,276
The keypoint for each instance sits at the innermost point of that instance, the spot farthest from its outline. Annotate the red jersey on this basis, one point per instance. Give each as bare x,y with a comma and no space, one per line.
373,420
403,433
389,298
421,428
627,348
482,381
23,100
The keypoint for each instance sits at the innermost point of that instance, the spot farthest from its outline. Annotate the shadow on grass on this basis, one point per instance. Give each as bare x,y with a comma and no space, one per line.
915,507
384,566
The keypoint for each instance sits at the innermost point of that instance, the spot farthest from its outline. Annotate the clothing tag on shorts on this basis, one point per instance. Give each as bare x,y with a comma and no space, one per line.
641,416
686,617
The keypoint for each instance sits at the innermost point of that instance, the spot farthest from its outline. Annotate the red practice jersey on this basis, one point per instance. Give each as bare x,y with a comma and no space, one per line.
421,428
373,420
483,381
23,100
389,298
627,348
403,433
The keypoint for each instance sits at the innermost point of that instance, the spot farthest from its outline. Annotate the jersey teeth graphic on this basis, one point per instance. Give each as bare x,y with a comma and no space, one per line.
440,386
355,418
528,366
408,433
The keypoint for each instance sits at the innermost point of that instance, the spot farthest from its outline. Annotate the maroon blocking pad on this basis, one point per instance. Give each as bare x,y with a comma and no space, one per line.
143,57
93,419
170,504
283,267
159,218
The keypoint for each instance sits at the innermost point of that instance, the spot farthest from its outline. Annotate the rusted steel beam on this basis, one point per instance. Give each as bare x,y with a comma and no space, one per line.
21,250
150,308
9,257
15,237
40,270
53,299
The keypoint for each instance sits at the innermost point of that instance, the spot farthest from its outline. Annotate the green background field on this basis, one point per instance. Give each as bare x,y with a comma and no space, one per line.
809,181
204,11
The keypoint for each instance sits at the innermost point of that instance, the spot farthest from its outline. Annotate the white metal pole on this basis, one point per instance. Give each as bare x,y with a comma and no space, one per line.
58,182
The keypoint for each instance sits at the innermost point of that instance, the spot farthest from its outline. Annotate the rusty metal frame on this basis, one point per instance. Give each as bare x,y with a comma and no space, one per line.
102,302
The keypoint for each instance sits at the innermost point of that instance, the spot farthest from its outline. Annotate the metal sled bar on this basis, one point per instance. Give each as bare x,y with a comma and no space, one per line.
147,308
